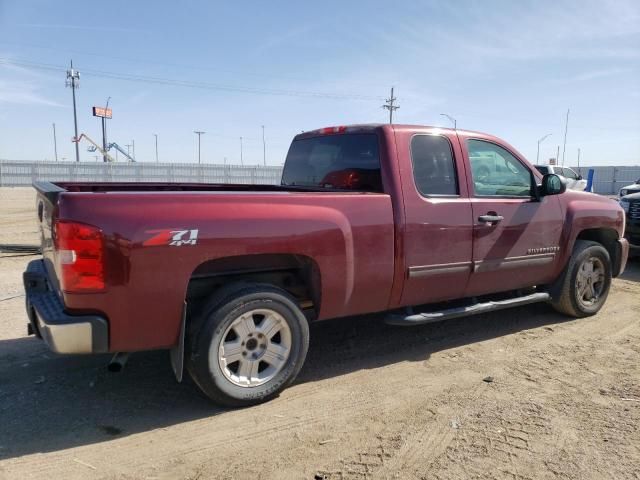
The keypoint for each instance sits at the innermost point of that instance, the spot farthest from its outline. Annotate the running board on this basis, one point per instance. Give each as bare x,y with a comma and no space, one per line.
430,317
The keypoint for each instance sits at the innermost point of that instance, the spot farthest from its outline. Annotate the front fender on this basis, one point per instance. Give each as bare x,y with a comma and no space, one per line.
589,215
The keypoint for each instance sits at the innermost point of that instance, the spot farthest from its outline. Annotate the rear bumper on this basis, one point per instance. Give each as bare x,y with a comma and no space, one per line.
63,333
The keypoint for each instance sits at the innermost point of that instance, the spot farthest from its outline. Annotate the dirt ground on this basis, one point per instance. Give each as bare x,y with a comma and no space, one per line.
372,401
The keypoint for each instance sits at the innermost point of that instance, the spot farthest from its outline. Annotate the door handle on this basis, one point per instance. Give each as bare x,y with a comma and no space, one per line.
490,218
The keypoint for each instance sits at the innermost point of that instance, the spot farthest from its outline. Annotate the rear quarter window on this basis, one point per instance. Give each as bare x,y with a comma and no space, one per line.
434,170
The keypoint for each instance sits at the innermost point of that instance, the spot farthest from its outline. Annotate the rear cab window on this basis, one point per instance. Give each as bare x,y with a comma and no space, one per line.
343,161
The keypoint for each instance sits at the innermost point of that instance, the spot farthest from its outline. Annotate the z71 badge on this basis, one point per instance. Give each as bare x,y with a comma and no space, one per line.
174,238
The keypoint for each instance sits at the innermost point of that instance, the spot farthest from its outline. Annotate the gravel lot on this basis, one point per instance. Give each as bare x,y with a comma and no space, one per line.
373,401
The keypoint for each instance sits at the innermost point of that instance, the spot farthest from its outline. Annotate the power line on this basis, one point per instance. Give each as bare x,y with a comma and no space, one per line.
192,84
155,62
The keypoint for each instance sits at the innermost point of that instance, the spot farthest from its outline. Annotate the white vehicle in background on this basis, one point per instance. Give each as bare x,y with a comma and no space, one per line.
629,189
574,180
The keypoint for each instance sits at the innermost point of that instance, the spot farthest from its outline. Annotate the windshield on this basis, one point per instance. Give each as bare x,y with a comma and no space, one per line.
349,162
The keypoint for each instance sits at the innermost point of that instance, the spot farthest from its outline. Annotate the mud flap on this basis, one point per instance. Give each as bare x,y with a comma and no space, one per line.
177,352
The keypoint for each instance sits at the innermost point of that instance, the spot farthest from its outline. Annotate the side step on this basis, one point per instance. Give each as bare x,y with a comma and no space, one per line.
430,317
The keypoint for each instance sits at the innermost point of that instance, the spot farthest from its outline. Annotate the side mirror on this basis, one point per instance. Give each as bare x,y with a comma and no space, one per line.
552,184
579,177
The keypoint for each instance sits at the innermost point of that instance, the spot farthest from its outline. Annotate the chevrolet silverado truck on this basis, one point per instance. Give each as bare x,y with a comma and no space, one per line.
385,219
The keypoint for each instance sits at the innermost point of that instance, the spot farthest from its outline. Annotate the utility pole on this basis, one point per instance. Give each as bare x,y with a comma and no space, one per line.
133,150
73,81
579,160
156,135
558,156
241,161
199,133
264,148
566,126
389,105
104,132
128,150
540,140
55,142
452,120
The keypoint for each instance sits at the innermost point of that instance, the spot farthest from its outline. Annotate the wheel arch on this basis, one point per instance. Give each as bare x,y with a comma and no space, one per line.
299,275
608,238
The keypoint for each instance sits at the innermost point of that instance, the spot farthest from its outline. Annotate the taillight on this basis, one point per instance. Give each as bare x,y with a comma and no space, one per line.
79,255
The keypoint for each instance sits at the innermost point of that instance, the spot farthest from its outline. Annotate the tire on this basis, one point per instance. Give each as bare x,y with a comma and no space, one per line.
249,343
574,287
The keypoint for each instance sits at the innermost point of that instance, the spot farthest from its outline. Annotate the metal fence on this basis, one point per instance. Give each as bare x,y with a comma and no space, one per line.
609,180
15,173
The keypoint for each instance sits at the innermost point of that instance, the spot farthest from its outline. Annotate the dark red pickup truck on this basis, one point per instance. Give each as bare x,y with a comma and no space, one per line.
422,223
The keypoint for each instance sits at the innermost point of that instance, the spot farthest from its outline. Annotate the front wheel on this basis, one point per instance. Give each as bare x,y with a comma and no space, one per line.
586,282
249,345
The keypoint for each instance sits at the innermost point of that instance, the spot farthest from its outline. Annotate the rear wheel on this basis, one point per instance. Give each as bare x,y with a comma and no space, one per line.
586,282
250,344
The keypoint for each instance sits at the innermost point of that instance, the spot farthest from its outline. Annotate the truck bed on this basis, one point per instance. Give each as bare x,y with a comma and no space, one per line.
346,235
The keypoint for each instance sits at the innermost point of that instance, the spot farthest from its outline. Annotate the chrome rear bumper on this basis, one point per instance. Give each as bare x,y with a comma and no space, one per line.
63,333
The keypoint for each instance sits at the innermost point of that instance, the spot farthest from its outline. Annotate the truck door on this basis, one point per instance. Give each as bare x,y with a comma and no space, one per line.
438,230
516,237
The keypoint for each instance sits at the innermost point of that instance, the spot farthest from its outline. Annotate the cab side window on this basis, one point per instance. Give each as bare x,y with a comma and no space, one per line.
497,173
434,169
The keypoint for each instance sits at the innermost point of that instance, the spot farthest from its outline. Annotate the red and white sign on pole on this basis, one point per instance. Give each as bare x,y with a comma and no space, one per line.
102,112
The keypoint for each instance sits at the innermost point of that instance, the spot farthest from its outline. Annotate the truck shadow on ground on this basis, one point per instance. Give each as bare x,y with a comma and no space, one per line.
50,403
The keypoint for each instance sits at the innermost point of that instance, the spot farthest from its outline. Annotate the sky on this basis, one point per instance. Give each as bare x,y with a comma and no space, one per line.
507,68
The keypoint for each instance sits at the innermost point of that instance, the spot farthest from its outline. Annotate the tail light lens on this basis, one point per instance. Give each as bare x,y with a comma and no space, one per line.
80,257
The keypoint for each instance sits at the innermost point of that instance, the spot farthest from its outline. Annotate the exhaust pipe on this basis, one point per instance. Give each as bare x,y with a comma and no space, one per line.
117,363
